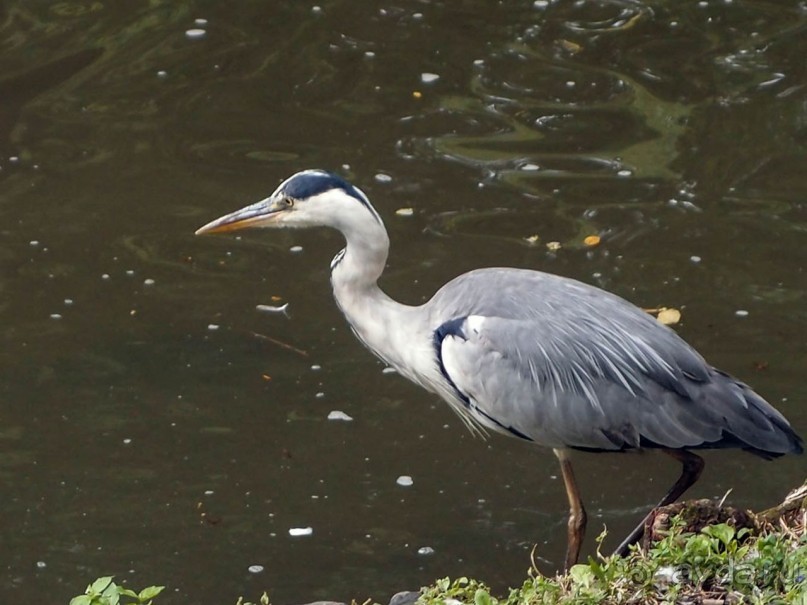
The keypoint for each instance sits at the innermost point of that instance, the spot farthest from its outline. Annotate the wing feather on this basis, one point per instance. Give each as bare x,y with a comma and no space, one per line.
569,365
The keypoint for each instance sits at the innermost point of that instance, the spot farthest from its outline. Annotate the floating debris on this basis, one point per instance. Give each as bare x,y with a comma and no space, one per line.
195,33
339,415
532,239
666,316
382,178
212,327
428,78
301,531
425,550
404,481
255,568
416,94
592,240
553,246
405,212
296,249
284,309
741,313
148,282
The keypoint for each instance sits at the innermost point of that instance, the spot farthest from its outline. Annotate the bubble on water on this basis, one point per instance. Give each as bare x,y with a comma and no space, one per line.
255,568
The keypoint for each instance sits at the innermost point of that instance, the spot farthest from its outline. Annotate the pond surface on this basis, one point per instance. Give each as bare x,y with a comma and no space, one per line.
154,425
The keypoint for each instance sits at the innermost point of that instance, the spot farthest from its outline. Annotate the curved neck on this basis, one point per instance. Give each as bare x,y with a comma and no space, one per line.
386,327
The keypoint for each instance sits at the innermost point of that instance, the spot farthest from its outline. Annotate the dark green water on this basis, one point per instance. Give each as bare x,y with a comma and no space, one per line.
147,432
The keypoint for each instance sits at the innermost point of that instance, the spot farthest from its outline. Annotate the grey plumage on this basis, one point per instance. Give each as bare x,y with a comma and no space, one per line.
537,356
565,364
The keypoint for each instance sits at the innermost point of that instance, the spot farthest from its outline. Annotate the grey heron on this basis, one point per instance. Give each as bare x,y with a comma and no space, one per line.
540,357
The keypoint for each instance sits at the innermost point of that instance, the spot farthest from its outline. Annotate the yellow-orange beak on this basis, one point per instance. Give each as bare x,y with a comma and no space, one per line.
260,214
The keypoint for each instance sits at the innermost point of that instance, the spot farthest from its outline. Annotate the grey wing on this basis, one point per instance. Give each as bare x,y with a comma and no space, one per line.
597,373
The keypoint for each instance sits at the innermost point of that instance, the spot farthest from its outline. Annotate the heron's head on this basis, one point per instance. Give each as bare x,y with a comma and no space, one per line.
311,198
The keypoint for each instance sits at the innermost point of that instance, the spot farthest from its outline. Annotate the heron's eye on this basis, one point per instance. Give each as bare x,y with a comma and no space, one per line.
289,202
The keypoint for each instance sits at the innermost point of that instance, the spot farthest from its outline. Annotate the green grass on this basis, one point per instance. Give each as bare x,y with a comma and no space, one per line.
715,565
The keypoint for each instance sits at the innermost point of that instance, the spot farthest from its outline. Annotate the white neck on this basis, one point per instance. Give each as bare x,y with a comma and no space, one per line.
389,329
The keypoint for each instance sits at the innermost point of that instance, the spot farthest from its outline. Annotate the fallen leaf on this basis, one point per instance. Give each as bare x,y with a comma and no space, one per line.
592,240
668,317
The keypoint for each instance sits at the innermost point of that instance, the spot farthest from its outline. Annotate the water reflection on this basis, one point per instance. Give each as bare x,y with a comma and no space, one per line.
671,130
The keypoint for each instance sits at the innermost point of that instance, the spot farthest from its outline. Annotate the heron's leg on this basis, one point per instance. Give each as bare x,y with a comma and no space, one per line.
691,468
577,514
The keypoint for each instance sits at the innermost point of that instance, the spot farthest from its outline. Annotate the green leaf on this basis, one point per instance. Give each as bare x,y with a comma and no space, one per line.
84,599
100,585
147,594
481,597
125,592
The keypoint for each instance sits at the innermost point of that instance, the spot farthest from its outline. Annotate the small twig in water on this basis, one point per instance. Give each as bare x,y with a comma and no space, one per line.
280,343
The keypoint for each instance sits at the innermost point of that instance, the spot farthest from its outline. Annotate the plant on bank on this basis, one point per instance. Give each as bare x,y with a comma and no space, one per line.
719,563
104,591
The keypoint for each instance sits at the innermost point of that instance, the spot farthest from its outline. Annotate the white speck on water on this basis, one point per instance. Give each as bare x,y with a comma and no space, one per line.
162,74
571,84
479,62
695,259
316,10
428,78
417,16
41,565
319,395
296,249
339,415
105,276
741,313
425,550
34,243
200,22
405,212
404,481
530,167
212,327
127,441
624,172
382,178
68,301
148,282
129,272
14,159
540,4
209,492
255,568
195,34
389,370
316,367
55,316
301,531
369,54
